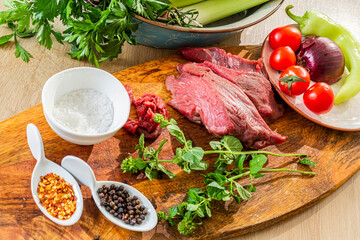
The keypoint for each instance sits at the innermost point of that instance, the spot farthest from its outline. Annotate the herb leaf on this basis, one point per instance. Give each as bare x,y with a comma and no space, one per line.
167,172
5,39
239,161
256,163
232,143
307,162
20,51
243,193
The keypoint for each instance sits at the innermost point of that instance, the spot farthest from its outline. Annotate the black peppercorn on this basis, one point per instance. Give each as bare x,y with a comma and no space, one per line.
118,202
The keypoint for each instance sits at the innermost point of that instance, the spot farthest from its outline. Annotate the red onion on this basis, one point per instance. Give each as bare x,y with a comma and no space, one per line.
323,59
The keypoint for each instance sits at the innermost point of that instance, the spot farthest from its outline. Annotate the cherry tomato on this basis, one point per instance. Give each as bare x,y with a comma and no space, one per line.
296,78
282,58
285,36
319,98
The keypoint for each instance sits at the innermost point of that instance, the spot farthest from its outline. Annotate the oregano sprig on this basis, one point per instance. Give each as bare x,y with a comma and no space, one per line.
219,187
229,150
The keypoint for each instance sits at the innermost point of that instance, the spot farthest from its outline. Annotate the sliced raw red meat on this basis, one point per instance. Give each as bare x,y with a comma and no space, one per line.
223,108
219,57
197,100
255,86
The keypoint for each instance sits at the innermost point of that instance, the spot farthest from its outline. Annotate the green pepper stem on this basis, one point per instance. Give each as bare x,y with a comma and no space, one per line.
256,152
297,19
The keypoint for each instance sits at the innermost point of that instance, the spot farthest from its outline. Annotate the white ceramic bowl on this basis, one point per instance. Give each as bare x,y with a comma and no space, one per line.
85,77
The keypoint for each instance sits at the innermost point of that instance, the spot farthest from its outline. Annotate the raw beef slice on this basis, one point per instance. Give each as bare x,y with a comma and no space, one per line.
219,57
254,85
222,107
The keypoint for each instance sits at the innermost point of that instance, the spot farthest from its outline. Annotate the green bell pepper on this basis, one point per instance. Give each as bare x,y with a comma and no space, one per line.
317,23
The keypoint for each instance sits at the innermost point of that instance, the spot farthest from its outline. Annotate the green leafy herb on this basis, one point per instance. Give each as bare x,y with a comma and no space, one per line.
148,160
256,163
5,39
221,185
96,30
229,150
21,52
307,162
196,205
229,144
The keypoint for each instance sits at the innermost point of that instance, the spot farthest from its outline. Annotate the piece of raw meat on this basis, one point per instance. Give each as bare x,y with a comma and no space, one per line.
146,107
219,57
130,93
255,86
222,107
131,125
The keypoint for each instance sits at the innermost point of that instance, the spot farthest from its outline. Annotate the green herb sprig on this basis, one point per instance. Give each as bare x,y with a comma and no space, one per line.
188,157
219,187
229,150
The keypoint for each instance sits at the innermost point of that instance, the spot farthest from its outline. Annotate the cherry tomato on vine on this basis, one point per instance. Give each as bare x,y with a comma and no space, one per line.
282,58
295,80
285,36
319,98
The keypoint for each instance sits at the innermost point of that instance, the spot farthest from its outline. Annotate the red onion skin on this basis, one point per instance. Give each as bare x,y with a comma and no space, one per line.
322,58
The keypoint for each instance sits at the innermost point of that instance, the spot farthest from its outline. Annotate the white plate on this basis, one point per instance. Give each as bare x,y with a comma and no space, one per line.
344,116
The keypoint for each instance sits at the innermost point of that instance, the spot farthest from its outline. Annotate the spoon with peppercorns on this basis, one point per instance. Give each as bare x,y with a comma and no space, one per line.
122,204
52,185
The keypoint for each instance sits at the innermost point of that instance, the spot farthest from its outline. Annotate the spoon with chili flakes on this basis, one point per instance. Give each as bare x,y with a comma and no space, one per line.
54,189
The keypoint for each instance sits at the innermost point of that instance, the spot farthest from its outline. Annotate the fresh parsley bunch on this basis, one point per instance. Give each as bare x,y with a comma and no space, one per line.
97,30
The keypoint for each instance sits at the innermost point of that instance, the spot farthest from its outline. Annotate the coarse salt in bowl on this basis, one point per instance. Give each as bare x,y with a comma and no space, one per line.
82,88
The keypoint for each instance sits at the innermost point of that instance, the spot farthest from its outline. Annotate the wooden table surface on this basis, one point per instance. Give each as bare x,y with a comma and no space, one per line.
335,217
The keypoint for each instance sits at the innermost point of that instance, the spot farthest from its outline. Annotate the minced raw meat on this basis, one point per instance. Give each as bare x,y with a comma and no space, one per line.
146,107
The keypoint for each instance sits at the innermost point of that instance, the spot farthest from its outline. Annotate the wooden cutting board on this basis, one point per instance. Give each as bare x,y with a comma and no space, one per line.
278,196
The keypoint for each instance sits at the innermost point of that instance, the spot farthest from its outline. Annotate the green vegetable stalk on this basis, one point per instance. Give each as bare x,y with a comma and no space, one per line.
213,10
183,3
317,23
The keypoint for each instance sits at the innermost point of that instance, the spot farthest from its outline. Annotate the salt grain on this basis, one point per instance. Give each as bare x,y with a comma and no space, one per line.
84,111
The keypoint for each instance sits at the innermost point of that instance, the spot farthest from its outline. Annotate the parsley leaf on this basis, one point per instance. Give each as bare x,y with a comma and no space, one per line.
20,51
5,39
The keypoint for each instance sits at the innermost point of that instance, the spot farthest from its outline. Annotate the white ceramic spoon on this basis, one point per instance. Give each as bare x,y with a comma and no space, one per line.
85,176
45,166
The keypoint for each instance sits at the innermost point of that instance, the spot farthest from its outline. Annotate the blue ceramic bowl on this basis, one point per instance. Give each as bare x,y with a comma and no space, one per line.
160,35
